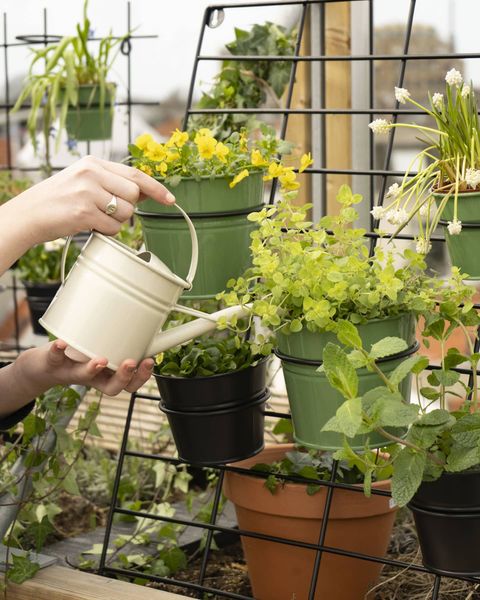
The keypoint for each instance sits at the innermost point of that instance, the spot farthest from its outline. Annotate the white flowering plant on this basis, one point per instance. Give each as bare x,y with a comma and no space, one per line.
42,263
449,163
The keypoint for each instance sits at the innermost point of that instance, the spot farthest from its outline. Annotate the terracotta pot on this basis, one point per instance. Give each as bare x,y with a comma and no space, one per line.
283,572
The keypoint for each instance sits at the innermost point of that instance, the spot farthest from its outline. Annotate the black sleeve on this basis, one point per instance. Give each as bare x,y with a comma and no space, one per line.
14,418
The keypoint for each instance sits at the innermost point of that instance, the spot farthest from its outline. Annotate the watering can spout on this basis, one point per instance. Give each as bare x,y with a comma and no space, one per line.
164,340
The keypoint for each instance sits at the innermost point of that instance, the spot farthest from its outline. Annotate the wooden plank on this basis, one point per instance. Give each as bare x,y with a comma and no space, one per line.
338,95
60,583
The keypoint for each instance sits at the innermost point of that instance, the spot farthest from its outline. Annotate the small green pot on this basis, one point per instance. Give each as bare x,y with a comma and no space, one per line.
462,248
313,402
309,345
223,242
211,195
90,124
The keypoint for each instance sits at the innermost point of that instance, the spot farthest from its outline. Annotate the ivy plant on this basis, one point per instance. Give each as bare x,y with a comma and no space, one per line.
311,276
248,84
437,441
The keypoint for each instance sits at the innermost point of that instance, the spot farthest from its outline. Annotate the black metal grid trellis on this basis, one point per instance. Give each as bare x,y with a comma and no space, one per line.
375,176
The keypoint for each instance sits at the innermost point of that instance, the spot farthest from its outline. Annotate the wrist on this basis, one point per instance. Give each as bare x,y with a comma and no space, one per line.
31,372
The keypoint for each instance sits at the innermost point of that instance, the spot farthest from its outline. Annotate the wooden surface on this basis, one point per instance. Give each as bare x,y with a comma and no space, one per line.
338,95
59,583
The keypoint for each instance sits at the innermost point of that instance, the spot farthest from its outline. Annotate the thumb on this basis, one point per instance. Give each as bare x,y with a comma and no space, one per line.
56,353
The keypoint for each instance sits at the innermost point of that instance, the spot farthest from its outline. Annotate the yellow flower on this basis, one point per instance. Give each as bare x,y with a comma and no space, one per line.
206,146
305,162
243,142
143,140
161,168
238,178
257,159
155,151
274,170
221,152
146,169
288,180
203,132
172,157
178,138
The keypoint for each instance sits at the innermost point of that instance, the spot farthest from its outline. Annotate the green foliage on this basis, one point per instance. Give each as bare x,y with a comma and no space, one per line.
436,441
317,466
131,234
322,278
42,263
22,568
57,71
11,186
248,84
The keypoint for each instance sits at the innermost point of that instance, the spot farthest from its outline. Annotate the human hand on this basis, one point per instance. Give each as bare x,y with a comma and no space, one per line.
46,366
75,199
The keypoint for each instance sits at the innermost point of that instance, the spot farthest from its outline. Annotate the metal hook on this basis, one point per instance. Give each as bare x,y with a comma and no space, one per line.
126,46
215,17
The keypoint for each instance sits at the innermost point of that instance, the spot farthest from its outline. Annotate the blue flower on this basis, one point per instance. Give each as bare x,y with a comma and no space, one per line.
71,144
91,33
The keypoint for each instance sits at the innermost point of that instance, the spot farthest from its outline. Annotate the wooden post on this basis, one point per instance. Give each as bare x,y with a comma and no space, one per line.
59,583
338,95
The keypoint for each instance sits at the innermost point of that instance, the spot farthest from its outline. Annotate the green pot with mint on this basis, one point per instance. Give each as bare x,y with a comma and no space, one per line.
90,120
462,247
311,398
219,214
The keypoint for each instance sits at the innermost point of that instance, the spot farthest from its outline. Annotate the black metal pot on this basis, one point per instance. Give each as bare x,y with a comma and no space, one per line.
214,392
39,296
447,518
219,436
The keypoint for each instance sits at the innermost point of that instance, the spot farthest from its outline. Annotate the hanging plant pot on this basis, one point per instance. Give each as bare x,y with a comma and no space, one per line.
89,121
462,247
285,571
447,518
39,297
212,437
219,215
312,399
215,392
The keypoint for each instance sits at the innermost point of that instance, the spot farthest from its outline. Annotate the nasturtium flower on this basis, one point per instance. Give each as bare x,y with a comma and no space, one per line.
305,162
238,178
143,140
274,170
288,180
206,146
178,138
257,159
221,151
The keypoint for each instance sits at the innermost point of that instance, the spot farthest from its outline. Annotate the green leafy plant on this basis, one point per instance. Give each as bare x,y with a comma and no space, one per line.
42,263
131,234
248,84
449,163
199,154
56,74
311,276
11,186
317,466
437,441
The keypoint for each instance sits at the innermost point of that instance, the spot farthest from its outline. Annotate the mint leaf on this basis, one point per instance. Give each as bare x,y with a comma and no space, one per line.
447,378
466,431
439,416
349,416
387,347
395,413
461,458
404,369
340,373
347,334
407,475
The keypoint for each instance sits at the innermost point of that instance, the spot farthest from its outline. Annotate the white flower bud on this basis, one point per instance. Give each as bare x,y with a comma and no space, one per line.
380,126
437,100
472,178
454,77
402,95
454,227
377,212
423,247
393,191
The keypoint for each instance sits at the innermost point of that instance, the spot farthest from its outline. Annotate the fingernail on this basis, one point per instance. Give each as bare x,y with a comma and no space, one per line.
150,364
99,367
170,198
130,368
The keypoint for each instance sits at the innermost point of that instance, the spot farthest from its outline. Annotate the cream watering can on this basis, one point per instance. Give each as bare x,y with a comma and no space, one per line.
114,302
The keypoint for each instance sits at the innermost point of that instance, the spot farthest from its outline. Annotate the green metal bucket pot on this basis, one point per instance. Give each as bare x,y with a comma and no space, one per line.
309,345
313,402
223,241
462,248
211,195
90,124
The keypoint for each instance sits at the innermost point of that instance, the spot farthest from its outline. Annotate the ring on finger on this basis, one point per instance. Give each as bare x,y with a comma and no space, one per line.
112,206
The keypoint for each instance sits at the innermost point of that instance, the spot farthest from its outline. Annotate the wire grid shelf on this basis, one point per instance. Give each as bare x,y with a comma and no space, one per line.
211,15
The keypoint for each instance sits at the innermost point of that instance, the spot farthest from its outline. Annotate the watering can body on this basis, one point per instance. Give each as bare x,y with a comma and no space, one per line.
114,302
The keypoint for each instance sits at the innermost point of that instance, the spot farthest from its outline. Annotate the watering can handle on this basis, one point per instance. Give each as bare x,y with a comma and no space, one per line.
193,236
193,262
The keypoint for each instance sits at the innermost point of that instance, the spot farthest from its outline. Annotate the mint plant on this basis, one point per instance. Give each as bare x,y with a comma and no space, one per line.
306,275
436,441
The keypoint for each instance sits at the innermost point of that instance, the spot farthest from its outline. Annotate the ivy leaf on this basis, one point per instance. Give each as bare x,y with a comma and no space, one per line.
40,532
339,371
387,347
174,558
347,334
407,475
22,568
69,484
283,426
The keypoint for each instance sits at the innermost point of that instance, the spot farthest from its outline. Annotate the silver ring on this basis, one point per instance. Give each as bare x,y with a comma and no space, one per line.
112,206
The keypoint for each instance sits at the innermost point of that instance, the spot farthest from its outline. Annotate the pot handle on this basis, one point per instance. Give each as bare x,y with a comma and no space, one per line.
194,259
63,264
